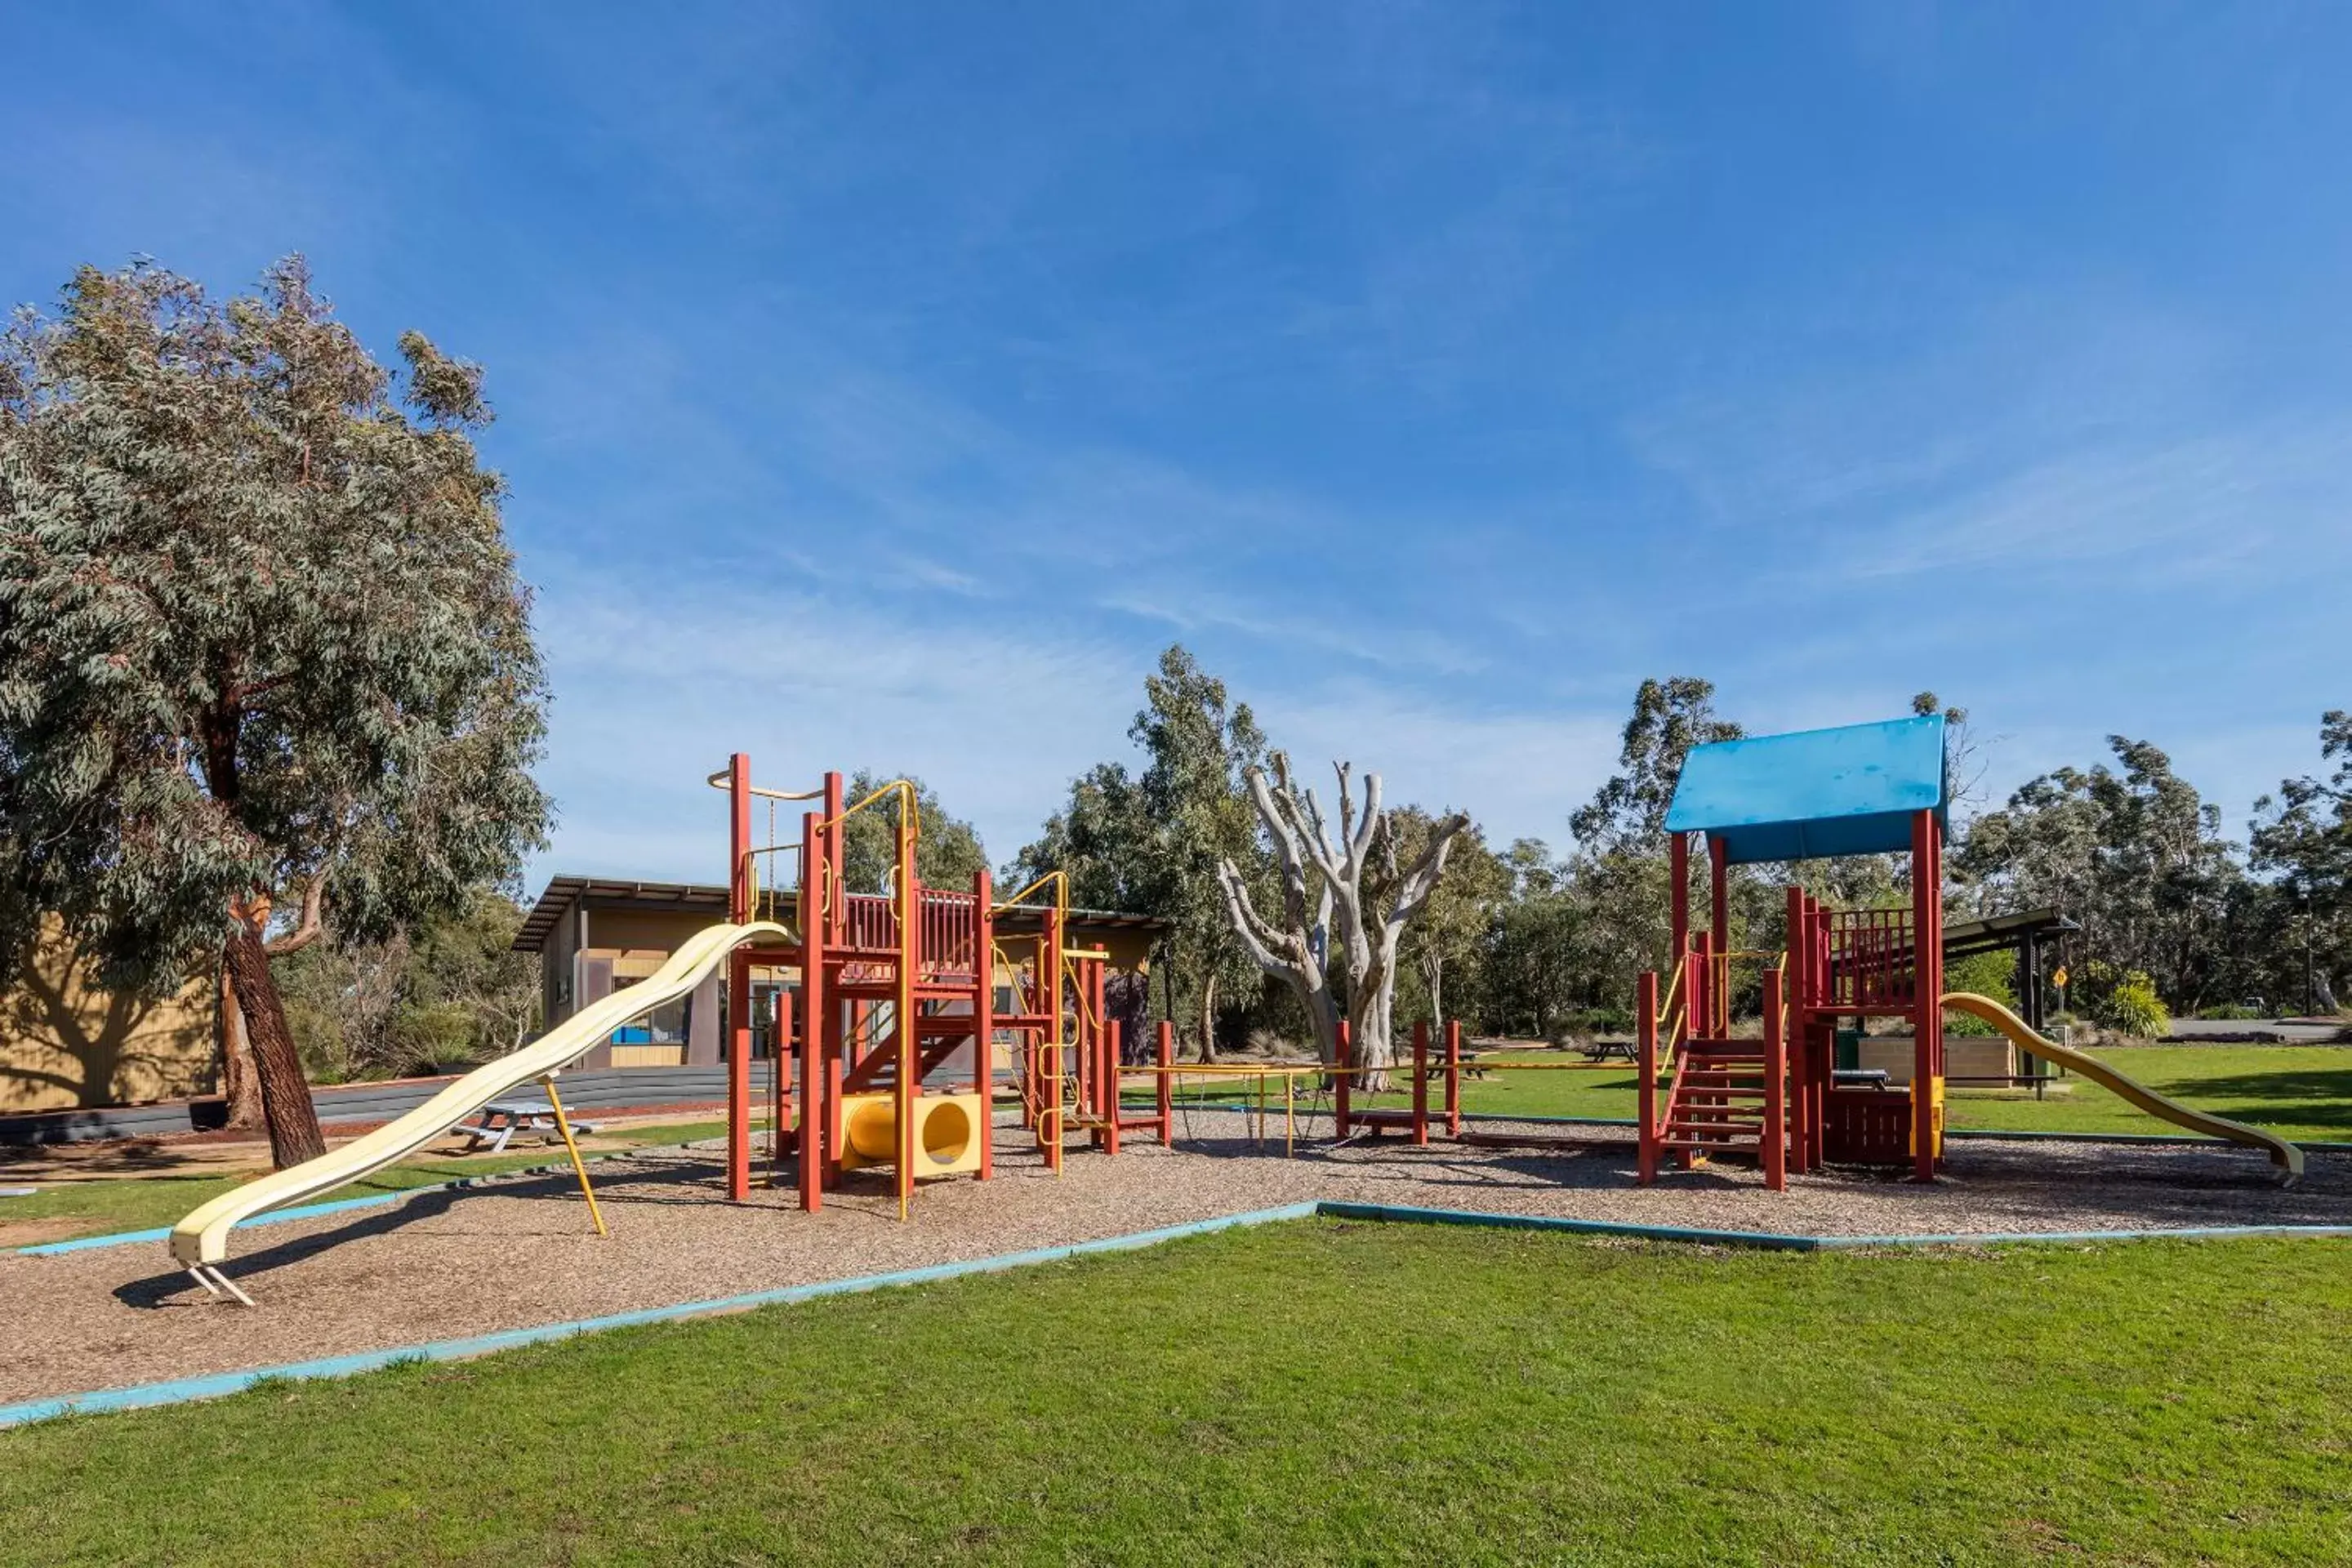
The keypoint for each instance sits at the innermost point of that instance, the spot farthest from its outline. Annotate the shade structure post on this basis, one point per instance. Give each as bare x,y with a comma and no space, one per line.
1926,993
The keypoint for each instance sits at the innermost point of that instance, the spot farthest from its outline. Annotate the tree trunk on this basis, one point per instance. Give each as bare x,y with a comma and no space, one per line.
286,1106
240,1078
1208,1017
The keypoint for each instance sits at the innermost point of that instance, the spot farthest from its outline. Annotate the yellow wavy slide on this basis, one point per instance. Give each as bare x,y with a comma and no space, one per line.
2283,1154
201,1240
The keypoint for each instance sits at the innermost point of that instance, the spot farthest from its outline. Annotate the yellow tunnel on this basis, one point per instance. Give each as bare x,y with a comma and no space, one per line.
946,1131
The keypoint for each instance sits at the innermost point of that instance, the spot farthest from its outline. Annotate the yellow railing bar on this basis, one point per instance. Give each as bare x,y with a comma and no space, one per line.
896,786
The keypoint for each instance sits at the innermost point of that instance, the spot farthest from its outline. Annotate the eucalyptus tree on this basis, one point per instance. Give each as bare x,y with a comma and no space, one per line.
2303,839
1448,942
1347,903
1151,842
263,650
2132,854
948,852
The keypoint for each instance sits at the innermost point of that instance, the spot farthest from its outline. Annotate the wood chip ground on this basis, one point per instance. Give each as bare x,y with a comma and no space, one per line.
519,1253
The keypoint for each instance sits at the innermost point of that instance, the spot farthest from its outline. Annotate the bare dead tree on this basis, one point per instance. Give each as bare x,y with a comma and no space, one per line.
1324,894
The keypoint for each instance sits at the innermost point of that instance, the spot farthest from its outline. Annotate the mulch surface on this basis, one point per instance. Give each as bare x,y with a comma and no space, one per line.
519,1253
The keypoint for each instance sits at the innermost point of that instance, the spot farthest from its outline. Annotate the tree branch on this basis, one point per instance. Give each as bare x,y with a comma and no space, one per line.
1256,934
307,929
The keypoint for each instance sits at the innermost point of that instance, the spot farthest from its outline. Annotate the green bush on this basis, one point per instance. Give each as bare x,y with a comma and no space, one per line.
2230,1012
2134,1008
1987,974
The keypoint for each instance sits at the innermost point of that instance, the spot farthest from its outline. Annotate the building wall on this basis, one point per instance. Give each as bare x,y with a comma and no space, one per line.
66,1044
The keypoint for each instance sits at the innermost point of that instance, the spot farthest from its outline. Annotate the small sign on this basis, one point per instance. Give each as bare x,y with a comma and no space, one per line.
2059,978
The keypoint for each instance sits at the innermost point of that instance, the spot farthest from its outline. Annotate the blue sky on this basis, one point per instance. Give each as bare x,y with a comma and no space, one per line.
885,385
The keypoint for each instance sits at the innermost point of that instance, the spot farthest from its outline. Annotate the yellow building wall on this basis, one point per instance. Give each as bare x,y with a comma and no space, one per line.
66,1045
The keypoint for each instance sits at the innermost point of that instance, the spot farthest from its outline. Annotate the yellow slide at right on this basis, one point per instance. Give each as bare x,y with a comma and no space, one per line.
2283,1154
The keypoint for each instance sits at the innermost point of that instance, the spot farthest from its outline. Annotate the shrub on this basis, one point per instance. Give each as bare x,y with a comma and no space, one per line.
2134,1008
1987,974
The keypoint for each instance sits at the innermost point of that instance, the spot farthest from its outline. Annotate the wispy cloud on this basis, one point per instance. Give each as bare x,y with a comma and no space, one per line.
2179,511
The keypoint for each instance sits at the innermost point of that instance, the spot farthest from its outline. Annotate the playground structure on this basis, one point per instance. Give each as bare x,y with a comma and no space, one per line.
881,1001
1861,789
887,988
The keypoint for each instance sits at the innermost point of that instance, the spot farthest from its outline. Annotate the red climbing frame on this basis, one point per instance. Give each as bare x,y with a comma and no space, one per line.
1778,1097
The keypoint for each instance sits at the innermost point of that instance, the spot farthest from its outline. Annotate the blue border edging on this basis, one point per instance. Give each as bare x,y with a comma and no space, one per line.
180,1391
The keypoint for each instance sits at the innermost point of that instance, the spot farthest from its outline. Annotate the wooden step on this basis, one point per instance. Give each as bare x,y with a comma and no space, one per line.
1729,1129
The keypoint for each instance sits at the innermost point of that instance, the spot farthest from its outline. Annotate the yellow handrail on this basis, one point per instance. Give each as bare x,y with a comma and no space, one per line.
1061,896
1050,971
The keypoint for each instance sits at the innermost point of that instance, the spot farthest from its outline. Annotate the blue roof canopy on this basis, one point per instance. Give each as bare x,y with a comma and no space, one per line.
1816,793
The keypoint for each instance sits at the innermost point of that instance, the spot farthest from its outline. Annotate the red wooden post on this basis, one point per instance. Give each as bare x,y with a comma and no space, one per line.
983,1016
820,1070
739,981
1800,1029
835,900
1454,1078
905,1009
1645,1009
1165,1057
738,838
1926,1002
1049,982
1341,1082
739,1077
1420,1084
1112,1032
1776,1074
1113,1044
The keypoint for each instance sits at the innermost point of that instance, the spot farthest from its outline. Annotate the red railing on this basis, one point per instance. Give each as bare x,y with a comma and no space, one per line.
872,923
1871,960
950,930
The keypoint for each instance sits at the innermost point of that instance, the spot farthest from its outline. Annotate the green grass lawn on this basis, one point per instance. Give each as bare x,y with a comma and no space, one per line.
143,1203
2302,1092
1312,1392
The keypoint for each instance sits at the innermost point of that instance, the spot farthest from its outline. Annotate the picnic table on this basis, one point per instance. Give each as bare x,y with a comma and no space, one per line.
502,1119
1610,1050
